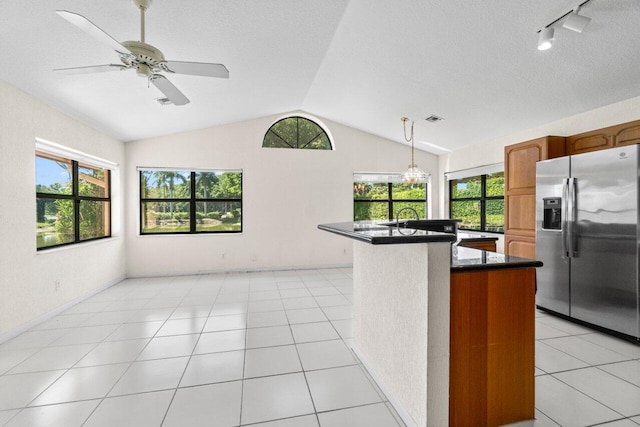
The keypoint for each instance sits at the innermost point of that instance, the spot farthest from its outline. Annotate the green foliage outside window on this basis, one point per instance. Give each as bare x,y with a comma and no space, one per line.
478,202
297,132
382,201
65,214
190,201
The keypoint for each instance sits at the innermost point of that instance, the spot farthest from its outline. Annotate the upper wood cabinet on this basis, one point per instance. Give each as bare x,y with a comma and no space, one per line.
520,162
627,134
520,176
590,141
520,191
601,139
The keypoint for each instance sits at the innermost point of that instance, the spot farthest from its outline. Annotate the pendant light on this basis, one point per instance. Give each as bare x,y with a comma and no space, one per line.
413,175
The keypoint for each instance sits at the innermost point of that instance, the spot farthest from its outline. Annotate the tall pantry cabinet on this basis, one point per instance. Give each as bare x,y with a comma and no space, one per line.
520,191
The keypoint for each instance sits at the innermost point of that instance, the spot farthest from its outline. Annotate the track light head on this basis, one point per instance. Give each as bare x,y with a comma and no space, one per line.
576,22
546,38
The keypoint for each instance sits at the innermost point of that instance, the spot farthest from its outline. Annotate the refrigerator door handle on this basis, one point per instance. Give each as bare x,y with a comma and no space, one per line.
572,213
565,211
573,241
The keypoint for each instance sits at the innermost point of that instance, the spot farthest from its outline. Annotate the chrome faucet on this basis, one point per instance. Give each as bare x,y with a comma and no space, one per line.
405,209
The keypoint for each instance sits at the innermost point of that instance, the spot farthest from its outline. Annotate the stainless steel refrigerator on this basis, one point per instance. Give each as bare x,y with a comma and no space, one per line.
587,237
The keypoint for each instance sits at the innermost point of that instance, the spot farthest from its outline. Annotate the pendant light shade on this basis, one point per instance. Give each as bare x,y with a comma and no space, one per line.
413,175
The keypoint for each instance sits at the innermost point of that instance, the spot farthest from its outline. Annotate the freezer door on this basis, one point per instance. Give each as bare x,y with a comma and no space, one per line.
604,271
553,276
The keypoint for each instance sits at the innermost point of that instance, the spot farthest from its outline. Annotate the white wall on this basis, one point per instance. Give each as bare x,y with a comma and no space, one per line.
287,193
27,278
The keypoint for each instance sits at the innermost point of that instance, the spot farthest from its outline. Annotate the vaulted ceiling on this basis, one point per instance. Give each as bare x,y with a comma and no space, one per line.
363,63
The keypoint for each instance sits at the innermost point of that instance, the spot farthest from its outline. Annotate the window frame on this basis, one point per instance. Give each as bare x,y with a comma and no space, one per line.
390,200
193,201
76,198
298,117
482,200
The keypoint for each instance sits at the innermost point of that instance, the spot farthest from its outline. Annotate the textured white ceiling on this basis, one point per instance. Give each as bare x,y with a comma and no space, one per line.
364,63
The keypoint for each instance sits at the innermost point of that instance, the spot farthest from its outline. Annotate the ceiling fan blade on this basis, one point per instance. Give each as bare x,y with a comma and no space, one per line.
197,69
169,90
91,69
90,28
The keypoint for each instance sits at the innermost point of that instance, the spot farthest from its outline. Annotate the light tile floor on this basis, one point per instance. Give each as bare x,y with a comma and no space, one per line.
267,349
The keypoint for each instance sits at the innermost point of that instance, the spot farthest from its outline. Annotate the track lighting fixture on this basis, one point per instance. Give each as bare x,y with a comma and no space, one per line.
546,38
574,22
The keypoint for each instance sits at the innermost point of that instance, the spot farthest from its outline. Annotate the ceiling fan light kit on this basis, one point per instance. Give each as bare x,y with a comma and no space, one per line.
147,60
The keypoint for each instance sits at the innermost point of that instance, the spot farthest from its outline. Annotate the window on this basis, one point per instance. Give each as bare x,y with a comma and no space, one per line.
478,201
376,200
297,132
73,201
183,202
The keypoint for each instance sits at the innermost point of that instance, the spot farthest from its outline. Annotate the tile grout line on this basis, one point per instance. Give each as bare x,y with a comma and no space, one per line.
186,366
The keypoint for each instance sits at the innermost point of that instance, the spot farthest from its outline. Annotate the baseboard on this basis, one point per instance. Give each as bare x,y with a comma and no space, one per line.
6,336
238,270
387,392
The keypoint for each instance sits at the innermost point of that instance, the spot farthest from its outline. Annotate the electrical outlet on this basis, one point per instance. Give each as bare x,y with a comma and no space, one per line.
223,256
254,257
56,285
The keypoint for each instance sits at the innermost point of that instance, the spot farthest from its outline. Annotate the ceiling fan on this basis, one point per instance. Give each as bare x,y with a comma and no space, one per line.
147,60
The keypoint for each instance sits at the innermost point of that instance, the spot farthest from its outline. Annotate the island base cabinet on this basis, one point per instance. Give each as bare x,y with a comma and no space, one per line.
492,347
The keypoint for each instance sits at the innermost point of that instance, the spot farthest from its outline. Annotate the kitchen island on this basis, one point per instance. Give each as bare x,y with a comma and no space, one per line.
447,332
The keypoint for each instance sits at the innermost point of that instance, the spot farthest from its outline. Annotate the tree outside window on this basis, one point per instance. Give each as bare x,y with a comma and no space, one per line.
73,201
478,201
380,201
184,202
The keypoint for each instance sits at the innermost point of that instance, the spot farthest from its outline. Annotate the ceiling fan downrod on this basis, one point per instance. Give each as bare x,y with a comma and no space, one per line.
143,5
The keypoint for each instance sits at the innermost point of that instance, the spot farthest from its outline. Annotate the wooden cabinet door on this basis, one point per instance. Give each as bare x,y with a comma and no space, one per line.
520,162
520,166
483,245
628,134
520,190
590,141
492,347
601,139
521,246
520,214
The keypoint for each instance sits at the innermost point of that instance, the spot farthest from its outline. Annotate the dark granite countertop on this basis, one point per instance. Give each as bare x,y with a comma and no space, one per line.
462,258
472,237
378,234
465,259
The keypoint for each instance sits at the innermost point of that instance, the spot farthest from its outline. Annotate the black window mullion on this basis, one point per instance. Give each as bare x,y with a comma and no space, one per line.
483,207
482,200
390,200
76,201
142,210
192,204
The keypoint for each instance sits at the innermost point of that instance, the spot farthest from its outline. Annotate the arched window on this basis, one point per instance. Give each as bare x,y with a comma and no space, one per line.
297,132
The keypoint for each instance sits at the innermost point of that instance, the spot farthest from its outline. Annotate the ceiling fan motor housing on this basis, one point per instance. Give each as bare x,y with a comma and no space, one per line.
146,59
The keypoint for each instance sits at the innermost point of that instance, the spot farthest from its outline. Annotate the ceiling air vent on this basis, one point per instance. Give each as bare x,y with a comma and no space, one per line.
433,118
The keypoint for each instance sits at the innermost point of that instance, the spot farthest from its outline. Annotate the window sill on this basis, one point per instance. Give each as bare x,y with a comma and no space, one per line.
77,245
145,236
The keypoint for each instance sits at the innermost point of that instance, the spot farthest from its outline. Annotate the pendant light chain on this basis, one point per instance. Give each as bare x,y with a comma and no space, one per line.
413,175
